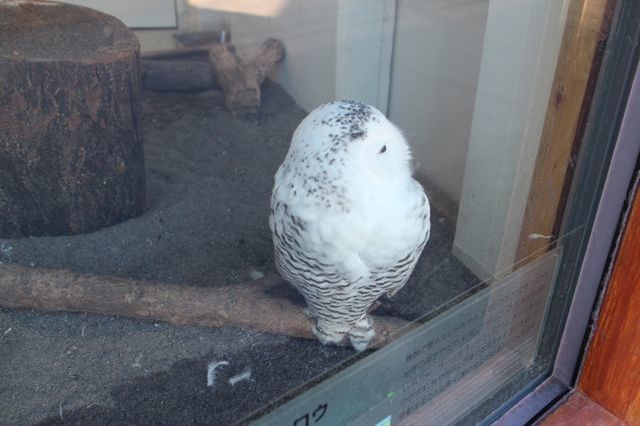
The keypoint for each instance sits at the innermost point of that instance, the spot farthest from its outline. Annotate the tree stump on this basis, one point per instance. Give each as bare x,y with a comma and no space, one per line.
241,80
71,152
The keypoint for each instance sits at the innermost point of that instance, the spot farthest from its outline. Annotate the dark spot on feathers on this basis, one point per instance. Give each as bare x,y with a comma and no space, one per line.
351,118
357,135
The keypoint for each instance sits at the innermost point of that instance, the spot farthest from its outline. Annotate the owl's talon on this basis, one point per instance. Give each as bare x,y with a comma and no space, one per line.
328,338
361,333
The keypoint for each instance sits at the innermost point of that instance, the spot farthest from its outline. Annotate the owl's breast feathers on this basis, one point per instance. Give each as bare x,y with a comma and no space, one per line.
372,238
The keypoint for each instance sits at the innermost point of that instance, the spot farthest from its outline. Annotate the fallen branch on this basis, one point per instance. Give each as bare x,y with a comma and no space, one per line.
247,306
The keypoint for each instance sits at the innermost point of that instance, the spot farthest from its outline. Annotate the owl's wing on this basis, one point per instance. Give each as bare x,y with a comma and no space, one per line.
309,257
394,277
403,248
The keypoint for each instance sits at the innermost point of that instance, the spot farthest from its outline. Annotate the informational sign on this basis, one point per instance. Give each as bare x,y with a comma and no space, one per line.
445,367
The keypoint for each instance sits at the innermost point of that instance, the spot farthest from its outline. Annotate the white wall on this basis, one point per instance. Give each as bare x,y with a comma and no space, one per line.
365,48
335,49
438,46
136,13
420,67
520,53
308,30
154,21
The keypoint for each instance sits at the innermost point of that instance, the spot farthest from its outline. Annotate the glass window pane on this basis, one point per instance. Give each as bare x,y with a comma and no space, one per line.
157,184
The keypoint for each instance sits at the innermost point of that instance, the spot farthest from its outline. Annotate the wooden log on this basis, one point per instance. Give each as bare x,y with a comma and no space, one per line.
241,80
252,306
71,152
177,75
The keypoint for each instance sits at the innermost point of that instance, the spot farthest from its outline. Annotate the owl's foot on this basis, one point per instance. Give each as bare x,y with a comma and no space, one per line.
328,337
361,333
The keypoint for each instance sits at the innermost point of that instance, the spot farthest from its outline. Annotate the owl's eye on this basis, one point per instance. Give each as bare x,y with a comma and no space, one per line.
383,149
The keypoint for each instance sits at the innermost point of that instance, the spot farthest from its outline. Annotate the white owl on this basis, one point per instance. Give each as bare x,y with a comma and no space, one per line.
348,220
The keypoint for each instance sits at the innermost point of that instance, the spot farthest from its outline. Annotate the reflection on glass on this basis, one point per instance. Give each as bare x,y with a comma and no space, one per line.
448,366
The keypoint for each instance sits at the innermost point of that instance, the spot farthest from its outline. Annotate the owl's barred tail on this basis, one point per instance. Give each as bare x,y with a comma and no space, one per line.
360,334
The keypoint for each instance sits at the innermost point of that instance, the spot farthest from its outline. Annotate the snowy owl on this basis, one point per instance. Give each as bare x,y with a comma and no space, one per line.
348,220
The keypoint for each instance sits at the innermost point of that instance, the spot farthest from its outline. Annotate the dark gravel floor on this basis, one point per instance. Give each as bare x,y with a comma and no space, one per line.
209,179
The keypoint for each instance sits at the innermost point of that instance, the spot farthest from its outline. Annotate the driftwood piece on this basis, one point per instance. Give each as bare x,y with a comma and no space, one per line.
251,305
241,80
177,75
71,151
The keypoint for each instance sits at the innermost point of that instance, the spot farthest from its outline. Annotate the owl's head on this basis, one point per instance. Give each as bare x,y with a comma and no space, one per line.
382,150
351,137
